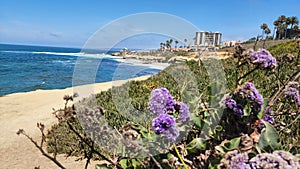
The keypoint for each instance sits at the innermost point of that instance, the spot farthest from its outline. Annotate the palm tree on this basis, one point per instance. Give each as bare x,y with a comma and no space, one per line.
288,21
264,26
267,32
284,27
167,44
276,24
294,21
161,45
282,24
164,46
171,41
296,27
176,42
184,40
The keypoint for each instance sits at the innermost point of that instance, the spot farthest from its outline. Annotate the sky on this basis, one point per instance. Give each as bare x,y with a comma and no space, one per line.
71,23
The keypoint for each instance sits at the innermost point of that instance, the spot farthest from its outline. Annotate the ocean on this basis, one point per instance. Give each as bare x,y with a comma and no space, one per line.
29,68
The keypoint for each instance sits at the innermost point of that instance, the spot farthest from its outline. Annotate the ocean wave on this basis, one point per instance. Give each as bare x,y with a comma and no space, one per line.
13,51
77,54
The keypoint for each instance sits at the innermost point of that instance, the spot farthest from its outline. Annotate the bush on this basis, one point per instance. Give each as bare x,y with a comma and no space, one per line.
267,82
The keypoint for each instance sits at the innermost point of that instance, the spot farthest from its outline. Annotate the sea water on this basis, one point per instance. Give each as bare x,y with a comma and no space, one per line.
28,68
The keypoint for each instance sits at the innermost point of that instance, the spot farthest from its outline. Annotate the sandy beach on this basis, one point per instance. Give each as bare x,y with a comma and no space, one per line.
23,111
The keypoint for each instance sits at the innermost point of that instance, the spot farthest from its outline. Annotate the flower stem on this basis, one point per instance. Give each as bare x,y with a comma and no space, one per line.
177,152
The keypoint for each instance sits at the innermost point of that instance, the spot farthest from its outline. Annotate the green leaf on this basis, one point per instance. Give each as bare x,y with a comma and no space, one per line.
247,110
261,112
135,163
269,139
169,155
232,144
220,148
218,128
197,120
258,148
123,163
196,145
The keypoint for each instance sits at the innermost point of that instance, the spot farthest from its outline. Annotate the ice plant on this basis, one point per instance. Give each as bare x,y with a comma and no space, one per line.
263,59
291,91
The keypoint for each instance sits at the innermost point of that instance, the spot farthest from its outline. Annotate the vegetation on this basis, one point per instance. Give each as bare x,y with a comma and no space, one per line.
282,23
193,83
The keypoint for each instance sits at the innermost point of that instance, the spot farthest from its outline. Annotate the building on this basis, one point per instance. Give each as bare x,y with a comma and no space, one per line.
207,39
232,43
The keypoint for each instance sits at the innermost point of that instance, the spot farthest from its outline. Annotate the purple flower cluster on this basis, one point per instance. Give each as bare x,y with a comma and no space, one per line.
291,91
246,92
160,103
235,160
263,58
162,123
278,159
231,104
268,118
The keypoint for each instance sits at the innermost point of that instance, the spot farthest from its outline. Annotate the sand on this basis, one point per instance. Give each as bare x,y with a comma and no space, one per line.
23,111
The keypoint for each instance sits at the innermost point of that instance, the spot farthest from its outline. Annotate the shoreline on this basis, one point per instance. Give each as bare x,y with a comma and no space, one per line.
23,110
129,61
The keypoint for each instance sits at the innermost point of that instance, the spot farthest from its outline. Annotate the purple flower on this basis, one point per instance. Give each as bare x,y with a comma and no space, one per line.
183,110
172,134
238,109
268,161
291,91
248,91
278,159
293,84
297,100
268,118
263,59
235,160
161,101
165,123
288,157
229,102
162,123
240,161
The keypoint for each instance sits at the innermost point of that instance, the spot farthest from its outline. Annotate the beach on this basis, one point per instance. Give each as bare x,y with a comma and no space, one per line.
24,111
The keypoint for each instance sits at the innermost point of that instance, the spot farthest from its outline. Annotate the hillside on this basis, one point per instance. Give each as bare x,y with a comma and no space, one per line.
187,82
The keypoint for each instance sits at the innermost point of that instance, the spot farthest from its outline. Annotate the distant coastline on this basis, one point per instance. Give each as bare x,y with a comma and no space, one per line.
30,68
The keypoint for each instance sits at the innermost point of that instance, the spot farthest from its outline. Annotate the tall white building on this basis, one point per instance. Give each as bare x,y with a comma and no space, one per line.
208,39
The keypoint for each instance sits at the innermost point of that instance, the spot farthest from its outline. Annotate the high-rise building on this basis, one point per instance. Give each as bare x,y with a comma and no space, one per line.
208,39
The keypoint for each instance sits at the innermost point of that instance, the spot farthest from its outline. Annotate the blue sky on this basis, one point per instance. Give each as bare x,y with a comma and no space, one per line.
72,22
